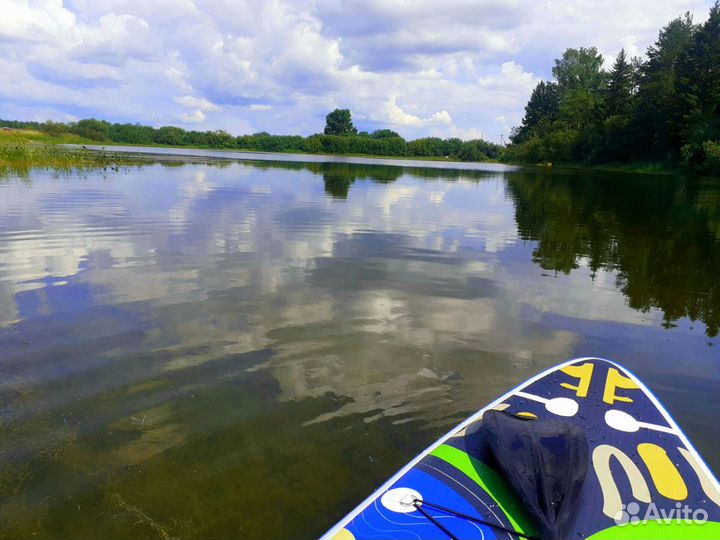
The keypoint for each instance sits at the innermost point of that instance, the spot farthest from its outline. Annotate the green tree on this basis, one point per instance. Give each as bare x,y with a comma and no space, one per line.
620,89
580,109
453,145
219,139
472,151
618,104
92,129
131,133
580,80
656,119
698,81
579,69
54,128
339,122
541,110
170,135
384,134
313,144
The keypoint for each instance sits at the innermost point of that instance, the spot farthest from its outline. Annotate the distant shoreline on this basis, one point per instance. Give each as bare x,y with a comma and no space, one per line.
288,152
179,152
632,168
21,138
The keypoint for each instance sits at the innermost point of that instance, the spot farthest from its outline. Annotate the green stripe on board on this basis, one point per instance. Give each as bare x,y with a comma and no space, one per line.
657,530
493,484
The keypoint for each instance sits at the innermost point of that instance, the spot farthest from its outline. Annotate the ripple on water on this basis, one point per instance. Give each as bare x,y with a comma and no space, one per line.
171,331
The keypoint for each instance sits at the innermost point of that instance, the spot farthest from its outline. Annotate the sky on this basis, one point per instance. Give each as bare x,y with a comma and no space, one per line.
460,68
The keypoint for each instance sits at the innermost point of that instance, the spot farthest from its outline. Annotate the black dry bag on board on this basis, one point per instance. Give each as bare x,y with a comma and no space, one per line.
545,462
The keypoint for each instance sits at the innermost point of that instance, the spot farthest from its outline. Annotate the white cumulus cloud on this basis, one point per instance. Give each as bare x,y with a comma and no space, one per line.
197,102
396,116
194,117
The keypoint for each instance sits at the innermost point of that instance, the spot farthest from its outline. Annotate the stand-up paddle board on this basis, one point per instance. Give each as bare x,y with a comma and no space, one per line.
582,450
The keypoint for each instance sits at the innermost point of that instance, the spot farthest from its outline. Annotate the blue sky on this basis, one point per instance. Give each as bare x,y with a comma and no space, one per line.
452,68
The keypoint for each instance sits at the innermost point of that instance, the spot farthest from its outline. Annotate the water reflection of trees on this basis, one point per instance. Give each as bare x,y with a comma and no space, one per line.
660,234
339,177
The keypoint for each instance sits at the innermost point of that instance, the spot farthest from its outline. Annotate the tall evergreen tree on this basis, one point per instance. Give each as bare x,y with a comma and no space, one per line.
618,105
619,92
541,110
698,81
655,123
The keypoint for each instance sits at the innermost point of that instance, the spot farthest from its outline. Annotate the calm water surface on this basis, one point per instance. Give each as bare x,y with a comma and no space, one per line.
249,349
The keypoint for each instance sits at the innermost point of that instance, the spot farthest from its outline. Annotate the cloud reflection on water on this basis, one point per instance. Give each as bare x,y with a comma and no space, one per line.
152,308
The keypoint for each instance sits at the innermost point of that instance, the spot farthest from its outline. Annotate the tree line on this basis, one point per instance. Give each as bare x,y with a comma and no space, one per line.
339,137
664,108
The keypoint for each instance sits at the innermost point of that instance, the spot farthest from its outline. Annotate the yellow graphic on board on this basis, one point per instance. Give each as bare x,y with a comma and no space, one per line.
584,373
664,474
613,381
343,534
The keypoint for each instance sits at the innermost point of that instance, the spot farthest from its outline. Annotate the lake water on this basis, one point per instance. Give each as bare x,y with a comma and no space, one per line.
248,349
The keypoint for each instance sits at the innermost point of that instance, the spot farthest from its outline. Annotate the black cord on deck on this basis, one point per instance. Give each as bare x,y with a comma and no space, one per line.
418,503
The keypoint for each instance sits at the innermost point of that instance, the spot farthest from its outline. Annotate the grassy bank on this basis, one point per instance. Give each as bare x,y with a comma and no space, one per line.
23,150
635,168
23,136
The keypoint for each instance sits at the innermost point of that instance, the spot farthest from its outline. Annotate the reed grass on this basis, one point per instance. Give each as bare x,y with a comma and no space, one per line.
24,150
